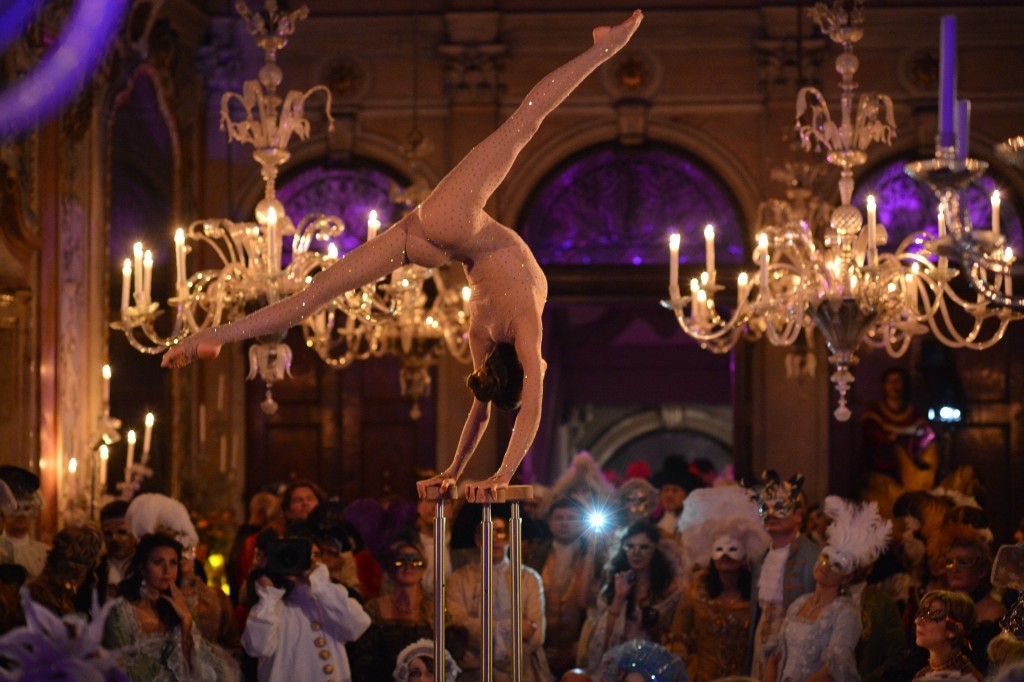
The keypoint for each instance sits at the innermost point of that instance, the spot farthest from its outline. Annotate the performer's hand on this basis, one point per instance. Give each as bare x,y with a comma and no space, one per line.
444,481
182,354
487,490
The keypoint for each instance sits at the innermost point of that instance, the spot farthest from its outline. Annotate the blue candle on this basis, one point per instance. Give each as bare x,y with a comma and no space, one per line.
963,128
947,81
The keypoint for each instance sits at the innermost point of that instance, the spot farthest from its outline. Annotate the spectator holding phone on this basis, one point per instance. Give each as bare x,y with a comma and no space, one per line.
639,599
300,624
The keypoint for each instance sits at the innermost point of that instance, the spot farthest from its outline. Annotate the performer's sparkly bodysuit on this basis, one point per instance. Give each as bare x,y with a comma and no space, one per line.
508,286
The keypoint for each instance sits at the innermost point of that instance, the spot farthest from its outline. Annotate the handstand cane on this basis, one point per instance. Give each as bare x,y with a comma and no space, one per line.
439,579
514,494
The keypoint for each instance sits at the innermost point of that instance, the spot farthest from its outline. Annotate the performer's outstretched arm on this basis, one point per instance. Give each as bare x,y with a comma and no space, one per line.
528,344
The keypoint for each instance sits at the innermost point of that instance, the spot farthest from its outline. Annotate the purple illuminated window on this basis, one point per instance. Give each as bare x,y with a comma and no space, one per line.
906,206
617,206
350,193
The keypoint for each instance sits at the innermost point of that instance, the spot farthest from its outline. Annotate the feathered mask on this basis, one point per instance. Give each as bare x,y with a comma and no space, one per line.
773,496
155,513
857,534
711,515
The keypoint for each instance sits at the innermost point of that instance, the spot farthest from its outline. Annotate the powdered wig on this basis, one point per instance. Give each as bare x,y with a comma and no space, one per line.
155,513
499,379
711,513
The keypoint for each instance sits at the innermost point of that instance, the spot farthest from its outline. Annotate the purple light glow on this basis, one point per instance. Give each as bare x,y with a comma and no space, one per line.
616,206
906,206
350,193
64,69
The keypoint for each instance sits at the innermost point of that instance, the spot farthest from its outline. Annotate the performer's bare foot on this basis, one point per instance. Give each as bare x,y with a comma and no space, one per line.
182,354
615,37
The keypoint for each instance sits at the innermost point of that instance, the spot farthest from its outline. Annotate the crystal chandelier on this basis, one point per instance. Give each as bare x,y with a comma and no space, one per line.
406,314
832,277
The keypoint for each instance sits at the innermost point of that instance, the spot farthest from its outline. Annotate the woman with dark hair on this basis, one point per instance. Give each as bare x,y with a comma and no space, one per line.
722,533
399,617
508,286
941,627
639,599
153,629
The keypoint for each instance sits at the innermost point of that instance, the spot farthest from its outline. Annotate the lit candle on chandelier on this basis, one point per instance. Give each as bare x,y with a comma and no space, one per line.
872,229
179,255
911,281
137,252
272,239
372,226
694,289
997,202
106,389
147,275
673,265
147,438
709,250
104,459
126,283
129,461
762,245
467,294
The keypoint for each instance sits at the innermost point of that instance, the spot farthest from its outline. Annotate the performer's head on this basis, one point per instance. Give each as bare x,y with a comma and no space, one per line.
499,379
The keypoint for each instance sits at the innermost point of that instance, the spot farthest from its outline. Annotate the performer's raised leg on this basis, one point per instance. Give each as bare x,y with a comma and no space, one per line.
455,208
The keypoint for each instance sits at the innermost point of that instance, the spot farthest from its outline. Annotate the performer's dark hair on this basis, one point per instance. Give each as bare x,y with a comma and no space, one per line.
499,379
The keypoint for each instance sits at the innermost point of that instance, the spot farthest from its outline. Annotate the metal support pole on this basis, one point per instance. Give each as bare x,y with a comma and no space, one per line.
439,586
434,493
515,538
514,494
487,597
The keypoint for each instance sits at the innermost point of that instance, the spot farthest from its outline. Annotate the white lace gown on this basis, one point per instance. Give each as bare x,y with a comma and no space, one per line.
807,645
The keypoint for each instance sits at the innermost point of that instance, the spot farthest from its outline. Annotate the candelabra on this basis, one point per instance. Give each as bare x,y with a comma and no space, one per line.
87,475
407,314
835,279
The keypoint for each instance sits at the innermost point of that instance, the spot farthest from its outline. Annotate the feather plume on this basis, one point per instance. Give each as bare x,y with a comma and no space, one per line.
857,534
710,513
152,512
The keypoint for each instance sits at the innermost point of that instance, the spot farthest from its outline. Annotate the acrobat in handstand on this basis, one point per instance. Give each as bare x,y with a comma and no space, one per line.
508,286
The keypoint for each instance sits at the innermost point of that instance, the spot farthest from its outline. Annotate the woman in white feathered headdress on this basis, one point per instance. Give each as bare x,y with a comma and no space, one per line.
822,628
721,532
155,513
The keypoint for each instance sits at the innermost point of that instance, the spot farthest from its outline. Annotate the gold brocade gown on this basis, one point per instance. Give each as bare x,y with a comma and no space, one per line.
709,634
